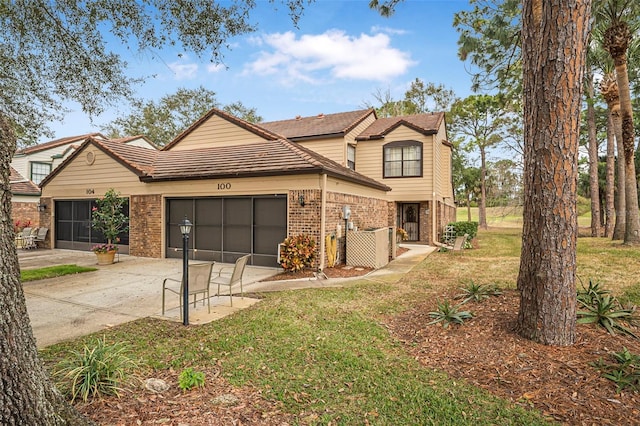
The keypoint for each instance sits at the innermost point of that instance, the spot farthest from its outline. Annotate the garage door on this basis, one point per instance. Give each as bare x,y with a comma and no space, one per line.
73,226
225,229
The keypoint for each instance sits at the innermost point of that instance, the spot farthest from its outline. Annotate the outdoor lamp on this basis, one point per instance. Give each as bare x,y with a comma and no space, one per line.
185,229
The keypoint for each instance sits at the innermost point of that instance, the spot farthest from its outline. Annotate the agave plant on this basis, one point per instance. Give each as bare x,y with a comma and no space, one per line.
604,309
477,292
447,314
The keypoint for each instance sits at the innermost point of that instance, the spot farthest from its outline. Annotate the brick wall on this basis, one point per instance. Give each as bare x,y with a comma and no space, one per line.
23,211
425,222
145,225
45,218
365,213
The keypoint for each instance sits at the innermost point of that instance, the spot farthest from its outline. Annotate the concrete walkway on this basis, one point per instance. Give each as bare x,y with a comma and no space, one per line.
71,306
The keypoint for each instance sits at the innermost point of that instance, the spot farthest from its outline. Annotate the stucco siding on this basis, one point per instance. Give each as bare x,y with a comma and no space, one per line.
216,131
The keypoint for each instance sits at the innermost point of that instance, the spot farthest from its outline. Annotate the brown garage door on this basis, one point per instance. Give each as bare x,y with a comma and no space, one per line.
226,228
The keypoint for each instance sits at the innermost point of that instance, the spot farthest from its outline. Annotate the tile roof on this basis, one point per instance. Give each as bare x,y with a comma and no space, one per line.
20,185
58,142
269,158
253,128
317,126
427,124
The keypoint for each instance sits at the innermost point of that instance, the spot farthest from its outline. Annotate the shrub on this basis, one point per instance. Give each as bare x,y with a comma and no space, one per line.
447,314
468,228
189,379
297,252
98,370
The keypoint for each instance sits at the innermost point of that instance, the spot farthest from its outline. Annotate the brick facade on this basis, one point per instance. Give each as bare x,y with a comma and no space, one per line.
45,219
365,213
25,212
145,225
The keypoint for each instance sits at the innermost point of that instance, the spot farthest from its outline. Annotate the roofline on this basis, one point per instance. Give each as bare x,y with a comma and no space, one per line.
253,128
28,194
316,137
56,143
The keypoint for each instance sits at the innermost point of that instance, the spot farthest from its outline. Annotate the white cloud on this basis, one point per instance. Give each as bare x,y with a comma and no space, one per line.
311,57
388,30
184,71
213,68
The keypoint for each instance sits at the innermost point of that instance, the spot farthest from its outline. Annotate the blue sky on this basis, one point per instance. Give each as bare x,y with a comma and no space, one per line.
339,56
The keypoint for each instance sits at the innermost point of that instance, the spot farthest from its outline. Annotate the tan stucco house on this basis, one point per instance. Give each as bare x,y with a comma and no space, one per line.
247,186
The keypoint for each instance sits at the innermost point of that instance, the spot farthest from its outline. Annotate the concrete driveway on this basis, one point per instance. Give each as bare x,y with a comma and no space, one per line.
75,305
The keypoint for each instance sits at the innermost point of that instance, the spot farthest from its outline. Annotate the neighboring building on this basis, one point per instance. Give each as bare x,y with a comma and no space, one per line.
247,186
25,199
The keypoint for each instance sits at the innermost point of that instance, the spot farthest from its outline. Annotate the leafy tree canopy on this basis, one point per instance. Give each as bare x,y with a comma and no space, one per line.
163,120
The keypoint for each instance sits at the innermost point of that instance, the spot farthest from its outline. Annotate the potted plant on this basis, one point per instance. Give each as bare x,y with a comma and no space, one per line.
108,218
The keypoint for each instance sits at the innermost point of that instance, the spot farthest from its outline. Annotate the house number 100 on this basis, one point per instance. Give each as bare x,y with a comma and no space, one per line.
224,186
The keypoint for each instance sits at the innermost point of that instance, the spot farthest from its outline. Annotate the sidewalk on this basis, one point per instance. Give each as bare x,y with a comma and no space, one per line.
75,305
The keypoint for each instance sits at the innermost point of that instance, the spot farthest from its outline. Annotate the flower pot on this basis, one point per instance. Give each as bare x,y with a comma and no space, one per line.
106,258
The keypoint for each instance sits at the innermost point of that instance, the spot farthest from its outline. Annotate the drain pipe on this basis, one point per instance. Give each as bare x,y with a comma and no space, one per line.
323,220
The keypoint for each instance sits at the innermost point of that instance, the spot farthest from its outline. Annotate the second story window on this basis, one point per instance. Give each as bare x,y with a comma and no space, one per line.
403,159
39,171
351,157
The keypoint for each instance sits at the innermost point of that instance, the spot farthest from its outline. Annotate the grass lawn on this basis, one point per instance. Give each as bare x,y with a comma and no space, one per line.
52,271
326,356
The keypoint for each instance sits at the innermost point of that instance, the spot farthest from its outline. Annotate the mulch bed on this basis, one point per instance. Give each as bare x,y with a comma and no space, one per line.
486,352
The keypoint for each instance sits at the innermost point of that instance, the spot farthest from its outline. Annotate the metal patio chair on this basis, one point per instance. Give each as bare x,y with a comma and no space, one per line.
199,283
234,278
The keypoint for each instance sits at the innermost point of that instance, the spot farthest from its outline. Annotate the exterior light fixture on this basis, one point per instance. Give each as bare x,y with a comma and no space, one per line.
42,207
185,229
301,200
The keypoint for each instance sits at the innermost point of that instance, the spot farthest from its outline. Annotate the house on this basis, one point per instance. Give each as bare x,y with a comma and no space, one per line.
25,198
247,186
35,162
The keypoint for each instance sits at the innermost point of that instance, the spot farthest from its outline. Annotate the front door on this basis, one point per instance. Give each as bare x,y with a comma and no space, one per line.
409,220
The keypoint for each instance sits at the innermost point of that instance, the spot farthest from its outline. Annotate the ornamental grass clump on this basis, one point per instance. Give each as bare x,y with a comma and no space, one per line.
99,369
297,252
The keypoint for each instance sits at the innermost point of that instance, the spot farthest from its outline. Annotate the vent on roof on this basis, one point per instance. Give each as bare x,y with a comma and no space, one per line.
320,116
298,117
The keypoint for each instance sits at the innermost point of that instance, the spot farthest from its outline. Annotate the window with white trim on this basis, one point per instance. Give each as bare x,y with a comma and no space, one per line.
351,157
403,159
39,171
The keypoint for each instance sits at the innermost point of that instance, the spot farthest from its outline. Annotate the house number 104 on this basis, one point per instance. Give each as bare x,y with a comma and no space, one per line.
224,185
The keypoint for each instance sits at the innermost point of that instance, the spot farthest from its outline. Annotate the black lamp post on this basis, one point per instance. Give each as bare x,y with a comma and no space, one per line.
185,229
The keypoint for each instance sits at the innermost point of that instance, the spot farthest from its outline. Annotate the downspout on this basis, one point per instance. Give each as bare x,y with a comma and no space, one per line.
323,219
434,238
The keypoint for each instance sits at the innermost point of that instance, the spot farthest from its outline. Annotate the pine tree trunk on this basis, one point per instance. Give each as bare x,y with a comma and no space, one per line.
553,52
594,182
482,208
27,396
621,199
610,178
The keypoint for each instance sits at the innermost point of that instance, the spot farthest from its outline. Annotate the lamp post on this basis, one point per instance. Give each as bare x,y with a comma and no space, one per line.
185,229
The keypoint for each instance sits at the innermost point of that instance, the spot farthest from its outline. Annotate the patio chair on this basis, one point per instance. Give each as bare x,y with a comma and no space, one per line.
22,237
199,283
41,237
234,278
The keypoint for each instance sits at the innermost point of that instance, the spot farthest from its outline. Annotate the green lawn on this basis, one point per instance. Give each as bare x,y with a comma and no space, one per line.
508,216
52,271
326,355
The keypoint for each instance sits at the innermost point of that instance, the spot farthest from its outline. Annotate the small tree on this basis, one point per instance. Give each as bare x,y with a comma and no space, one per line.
108,217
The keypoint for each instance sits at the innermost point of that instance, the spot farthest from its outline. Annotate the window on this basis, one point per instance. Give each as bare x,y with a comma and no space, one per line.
39,171
351,157
403,159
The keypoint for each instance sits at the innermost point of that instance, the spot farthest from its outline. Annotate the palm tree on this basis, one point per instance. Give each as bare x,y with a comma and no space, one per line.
617,37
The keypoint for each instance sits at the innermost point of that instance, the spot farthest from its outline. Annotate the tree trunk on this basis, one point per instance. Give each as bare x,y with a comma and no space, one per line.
468,207
553,53
632,218
27,396
594,182
482,207
620,199
610,179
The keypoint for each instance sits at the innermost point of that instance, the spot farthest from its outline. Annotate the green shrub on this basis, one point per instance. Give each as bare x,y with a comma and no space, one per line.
297,252
448,314
468,228
189,379
98,370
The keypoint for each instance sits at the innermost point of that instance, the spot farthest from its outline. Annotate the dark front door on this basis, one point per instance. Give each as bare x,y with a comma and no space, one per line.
225,229
410,220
